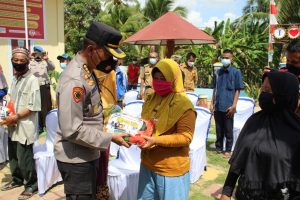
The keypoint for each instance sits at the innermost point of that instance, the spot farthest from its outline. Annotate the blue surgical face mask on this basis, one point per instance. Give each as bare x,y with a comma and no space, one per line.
152,61
226,62
63,65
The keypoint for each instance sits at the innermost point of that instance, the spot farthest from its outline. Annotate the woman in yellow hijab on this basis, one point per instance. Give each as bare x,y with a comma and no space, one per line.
164,172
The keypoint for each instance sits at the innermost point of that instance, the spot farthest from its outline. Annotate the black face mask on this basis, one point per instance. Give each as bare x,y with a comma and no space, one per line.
266,101
19,67
108,65
293,69
38,59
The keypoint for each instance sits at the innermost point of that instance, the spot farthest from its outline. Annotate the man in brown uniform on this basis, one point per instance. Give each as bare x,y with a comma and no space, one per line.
39,66
145,76
80,136
190,72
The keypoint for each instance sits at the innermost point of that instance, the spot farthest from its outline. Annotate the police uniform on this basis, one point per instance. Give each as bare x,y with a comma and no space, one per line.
190,77
146,75
80,135
40,70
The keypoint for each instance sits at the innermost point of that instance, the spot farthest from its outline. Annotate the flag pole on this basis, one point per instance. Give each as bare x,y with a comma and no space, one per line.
272,25
26,24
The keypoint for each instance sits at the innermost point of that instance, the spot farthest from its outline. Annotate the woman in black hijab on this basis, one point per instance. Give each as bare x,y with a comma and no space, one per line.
266,159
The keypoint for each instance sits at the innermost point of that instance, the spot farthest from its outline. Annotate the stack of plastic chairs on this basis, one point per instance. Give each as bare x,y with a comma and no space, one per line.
45,162
193,97
123,172
198,144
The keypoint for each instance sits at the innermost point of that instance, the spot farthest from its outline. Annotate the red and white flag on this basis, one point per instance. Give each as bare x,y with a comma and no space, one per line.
273,23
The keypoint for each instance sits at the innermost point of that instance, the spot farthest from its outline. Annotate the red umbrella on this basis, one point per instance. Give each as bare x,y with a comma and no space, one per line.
170,29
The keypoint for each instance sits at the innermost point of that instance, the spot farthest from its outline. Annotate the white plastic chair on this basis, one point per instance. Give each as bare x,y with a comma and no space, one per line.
113,149
198,144
123,174
244,109
130,96
45,162
193,97
134,108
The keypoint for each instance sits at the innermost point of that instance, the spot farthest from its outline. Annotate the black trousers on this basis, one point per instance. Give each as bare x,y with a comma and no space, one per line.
224,128
22,164
46,104
79,179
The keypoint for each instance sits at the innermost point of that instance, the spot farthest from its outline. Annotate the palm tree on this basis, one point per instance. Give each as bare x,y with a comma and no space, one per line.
156,8
126,19
257,6
289,11
255,10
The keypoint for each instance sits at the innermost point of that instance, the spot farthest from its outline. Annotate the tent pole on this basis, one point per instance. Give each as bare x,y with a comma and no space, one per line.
170,48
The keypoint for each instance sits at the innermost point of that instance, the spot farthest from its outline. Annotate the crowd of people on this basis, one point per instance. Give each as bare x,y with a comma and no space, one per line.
264,160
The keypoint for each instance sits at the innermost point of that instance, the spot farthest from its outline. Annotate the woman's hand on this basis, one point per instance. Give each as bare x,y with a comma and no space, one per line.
149,142
224,197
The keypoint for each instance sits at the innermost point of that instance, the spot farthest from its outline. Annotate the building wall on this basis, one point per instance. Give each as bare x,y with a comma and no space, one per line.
54,37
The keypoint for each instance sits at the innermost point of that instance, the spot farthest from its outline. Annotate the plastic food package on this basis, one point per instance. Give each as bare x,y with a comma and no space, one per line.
7,109
136,127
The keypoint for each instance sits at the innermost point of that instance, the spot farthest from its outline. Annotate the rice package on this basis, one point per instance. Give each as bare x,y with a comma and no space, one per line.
136,127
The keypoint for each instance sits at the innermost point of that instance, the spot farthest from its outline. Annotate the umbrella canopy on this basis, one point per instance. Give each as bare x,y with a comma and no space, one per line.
170,29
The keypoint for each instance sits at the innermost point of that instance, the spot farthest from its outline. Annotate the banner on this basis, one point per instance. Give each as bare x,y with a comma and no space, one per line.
283,33
12,23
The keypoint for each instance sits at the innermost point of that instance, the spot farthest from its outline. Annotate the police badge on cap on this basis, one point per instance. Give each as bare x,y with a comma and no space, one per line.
106,36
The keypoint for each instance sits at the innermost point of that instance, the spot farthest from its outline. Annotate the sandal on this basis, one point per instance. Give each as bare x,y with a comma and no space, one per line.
26,194
10,185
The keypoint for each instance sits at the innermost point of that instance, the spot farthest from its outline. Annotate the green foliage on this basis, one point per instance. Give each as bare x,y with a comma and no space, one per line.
247,40
78,16
247,36
156,8
252,91
54,75
289,11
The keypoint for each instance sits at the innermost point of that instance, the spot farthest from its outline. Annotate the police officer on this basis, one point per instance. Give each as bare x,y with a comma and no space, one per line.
190,72
80,135
64,60
39,66
145,75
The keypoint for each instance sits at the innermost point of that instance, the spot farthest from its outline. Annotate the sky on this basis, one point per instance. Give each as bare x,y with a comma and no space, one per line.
203,13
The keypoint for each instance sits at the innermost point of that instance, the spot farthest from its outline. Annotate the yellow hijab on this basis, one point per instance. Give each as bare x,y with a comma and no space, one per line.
166,110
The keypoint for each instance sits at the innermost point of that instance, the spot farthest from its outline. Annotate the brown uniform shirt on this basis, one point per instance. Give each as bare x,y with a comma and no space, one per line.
80,134
190,77
145,74
40,70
